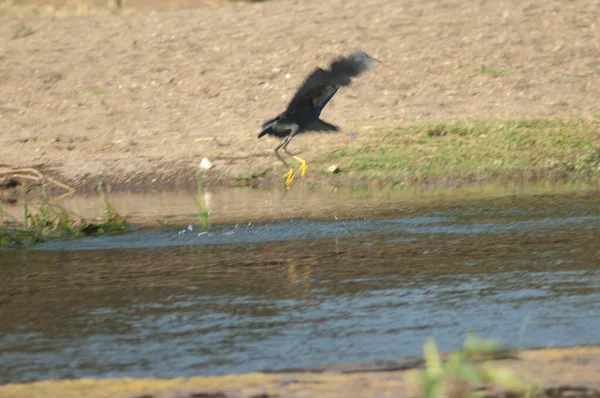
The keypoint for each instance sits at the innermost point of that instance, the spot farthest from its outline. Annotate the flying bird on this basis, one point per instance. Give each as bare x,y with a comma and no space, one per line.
305,108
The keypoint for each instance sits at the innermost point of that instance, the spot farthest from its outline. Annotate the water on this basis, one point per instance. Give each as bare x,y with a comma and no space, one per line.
300,293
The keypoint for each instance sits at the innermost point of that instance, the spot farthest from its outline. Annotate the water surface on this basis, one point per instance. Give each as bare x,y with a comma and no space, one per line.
300,293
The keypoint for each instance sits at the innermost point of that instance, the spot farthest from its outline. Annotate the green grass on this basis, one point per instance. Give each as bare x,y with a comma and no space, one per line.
21,30
461,373
201,204
251,174
493,70
594,68
202,214
93,91
48,221
475,146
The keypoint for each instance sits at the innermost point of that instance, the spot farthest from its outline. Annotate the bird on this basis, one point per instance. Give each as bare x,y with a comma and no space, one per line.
304,110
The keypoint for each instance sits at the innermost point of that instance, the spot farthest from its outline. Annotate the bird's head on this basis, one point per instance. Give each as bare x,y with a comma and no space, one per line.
363,59
343,69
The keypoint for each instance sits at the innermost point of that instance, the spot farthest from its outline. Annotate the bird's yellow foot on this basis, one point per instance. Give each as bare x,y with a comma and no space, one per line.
302,169
289,177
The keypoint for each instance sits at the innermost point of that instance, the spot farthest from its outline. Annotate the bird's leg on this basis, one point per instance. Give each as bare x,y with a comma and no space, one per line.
289,176
302,169
284,141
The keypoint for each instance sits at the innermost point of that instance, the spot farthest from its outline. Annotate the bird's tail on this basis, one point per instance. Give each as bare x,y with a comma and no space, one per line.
267,127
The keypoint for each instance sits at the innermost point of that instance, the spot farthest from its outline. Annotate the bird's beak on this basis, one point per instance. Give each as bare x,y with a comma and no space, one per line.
380,62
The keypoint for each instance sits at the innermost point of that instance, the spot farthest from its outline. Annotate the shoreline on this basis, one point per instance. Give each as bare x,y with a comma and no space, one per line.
432,154
172,177
178,206
552,372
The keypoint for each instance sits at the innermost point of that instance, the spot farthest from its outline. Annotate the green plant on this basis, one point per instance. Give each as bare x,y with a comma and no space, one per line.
113,223
251,175
93,91
46,220
594,68
460,374
21,30
201,204
494,70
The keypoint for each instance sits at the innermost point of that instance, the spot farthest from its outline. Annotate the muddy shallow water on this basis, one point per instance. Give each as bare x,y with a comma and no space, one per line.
301,293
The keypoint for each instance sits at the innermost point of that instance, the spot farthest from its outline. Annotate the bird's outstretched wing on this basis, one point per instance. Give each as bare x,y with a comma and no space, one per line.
321,85
312,91
342,70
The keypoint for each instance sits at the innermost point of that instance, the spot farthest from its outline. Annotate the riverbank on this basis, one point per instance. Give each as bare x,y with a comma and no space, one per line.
552,372
438,154
139,99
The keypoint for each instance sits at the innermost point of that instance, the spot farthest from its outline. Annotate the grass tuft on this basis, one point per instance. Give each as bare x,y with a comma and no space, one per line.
112,223
493,70
48,221
21,30
200,202
461,373
93,91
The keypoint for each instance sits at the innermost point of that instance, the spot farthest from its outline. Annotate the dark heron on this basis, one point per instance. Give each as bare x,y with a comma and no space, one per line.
305,108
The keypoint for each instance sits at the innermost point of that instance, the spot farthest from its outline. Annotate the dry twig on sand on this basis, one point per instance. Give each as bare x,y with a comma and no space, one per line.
36,175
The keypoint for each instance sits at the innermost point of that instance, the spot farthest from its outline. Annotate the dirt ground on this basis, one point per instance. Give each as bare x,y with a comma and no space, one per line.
142,98
570,372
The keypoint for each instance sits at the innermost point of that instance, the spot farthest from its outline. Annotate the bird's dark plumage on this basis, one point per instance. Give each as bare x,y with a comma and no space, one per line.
304,109
319,87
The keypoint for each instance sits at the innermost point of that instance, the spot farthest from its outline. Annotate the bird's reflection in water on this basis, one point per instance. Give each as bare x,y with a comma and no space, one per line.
299,275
